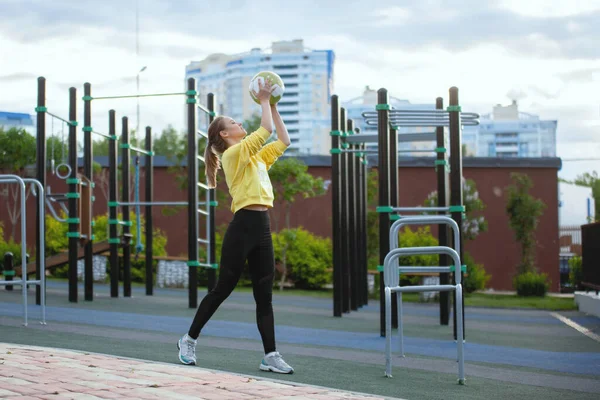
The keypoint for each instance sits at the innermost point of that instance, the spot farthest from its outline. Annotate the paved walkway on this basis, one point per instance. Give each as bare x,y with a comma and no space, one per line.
29,372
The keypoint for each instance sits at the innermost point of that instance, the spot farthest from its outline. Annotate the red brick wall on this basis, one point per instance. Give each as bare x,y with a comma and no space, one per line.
496,249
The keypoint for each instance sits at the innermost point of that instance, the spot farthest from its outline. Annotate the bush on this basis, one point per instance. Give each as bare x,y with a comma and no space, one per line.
476,278
531,284
6,247
308,257
575,272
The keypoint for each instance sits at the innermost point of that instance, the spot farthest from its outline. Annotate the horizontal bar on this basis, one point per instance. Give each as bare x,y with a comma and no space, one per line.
428,288
201,158
159,203
203,186
202,133
139,95
201,107
105,135
419,209
203,212
203,241
402,138
402,269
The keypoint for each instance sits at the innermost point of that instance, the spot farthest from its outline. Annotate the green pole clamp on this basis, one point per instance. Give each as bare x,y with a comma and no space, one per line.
75,181
463,268
9,273
384,209
214,266
124,146
212,114
93,223
213,203
92,184
394,217
191,93
93,198
441,162
335,151
93,237
117,222
87,129
114,137
383,107
345,145
365,162
456,209
191,100
335,133
114,241
349,133
453,108
87,98
440,149
74,235
113,203
41,109
72,195
73,123
395,127
380,268
73,220
193,263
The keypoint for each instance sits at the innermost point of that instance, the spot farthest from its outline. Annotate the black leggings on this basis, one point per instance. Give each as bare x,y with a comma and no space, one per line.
248,237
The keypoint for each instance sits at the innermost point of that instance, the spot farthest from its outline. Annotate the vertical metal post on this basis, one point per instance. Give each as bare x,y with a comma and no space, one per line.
41,177
357,222
456,195
365,208
345,219
211,104
126,168
384,192
73,233
113,239
192,165
9,269
352,245
394,202
336,232
149,198
442,201
88,154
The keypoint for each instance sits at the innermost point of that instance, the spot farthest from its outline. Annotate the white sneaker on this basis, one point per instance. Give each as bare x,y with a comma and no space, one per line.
187,350
274,362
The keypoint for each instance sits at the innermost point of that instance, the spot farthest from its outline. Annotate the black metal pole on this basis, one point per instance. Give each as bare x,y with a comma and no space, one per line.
359,277
336,208
442,201
384,193
41,177
9,269
345,219
73,233
456,195
192,197
88,154
394,202
352,245
212,272
149,198
113,239
125,165
365,209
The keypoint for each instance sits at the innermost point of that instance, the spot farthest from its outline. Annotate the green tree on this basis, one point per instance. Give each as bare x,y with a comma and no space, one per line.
524,212
291,179
252,123
17,151
591,180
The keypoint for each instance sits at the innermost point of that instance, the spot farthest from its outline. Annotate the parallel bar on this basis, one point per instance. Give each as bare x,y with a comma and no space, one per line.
88,157
338,290
384,198
201,158
203,185
202,108
102,134
418,289
59,118
138,95
203,241
203,212
40,167
125,165
352,245
456,193
211,103
442,203
403,269
402,138
346,257
157,203
112,211
420,209
192,171
202,133
149,200
73,203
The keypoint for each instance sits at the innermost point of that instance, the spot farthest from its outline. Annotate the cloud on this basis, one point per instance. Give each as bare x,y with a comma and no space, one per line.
17,76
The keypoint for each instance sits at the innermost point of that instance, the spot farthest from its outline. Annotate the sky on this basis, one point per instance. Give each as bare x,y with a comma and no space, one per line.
542,53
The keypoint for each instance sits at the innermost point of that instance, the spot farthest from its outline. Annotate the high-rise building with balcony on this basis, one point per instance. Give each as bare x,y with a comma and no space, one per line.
308,79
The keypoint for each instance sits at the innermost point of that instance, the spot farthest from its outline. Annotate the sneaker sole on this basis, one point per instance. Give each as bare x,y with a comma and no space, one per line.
273,369
179,356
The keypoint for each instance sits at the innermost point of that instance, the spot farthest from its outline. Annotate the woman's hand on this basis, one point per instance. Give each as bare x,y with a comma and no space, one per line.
264,91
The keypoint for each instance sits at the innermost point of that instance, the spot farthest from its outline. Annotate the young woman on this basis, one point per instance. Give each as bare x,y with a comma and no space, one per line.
245,161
